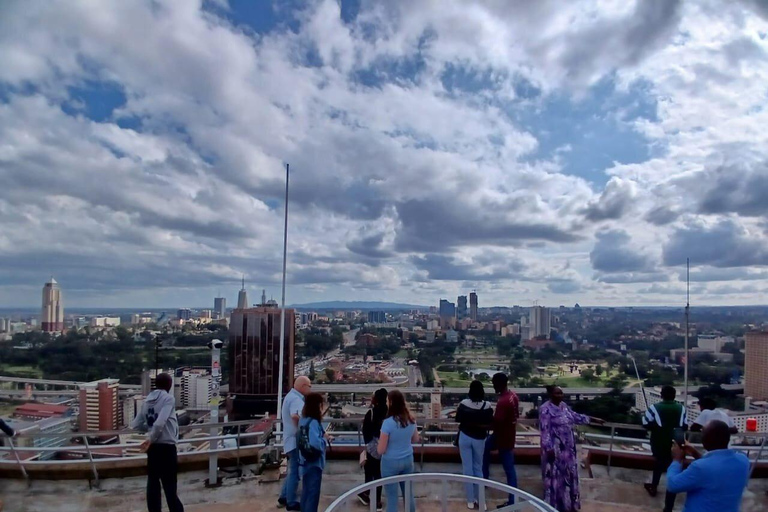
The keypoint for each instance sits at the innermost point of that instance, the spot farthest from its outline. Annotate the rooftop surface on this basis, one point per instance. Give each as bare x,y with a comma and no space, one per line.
621,491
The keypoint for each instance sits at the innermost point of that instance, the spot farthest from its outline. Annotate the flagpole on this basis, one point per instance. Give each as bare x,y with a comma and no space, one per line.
282,305
687,316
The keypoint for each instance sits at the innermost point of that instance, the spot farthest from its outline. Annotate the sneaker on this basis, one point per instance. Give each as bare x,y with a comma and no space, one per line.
293,508
471,505
652,491
379,507
364,500
281,503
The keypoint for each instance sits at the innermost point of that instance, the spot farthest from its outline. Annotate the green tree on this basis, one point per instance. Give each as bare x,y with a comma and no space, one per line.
588,375
330,374
599,370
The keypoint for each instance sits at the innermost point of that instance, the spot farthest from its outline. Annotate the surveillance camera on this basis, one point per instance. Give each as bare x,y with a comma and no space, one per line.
215,344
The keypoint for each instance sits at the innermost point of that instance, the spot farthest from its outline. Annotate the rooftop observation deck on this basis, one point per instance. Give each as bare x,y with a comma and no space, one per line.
85,477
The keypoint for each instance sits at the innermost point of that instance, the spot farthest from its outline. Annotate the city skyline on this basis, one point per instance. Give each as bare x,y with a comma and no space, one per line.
549,153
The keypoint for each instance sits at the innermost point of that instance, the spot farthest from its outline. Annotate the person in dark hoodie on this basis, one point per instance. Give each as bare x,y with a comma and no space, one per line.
371,433
158,418
475,417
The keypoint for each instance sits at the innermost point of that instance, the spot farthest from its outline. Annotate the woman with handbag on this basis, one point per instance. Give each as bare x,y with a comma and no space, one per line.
475,417
312,442
370,458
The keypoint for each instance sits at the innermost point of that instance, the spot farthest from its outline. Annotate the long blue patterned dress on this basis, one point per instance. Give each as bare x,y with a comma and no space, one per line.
561,477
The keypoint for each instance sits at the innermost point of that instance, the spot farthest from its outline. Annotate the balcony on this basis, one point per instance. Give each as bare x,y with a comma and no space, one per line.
111,477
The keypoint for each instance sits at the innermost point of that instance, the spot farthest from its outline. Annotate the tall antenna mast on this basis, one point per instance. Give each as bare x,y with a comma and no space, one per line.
687,320
282,302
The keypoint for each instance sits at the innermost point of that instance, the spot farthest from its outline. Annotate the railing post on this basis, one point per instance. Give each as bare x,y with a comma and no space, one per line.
421,462
238,447
407,496
18,460
359,440
90,457
757,459
481,498
610,449
444,496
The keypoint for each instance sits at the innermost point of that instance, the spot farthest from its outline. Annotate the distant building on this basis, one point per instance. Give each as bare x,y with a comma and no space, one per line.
242,297
539,321
219,307
135,319
461,307
192,388
52,316
536,343
756,365
452,336
430,337
377,317
447,309
184,314
52,425
473,306
33,411
131,407
254,348
206,314
105,321
433,325
99,405
714,342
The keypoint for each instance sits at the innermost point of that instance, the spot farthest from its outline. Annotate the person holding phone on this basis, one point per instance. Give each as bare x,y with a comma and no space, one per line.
661,420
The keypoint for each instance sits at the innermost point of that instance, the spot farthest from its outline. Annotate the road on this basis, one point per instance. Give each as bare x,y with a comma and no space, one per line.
50,382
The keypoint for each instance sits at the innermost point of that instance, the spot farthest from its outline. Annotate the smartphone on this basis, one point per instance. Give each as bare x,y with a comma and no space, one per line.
678,436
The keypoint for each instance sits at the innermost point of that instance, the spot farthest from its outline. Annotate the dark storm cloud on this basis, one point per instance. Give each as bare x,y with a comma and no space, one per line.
371,246
612,254
437,225
724,244
741,190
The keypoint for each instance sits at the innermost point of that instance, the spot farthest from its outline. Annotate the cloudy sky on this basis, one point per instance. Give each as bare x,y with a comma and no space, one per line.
552,151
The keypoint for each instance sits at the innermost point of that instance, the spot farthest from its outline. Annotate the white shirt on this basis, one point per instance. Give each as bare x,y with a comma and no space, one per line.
293,404
708,415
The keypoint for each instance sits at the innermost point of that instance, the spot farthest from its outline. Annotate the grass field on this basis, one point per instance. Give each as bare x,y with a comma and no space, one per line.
21,371
453,380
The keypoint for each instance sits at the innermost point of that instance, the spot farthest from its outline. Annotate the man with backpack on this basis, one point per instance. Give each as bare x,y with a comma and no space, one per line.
290,415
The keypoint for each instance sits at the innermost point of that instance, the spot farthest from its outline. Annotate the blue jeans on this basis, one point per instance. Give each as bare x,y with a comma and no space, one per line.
394,467
291,484
507,458
310,492
472,452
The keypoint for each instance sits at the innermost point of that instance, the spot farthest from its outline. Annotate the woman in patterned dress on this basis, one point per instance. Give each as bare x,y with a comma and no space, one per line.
559,464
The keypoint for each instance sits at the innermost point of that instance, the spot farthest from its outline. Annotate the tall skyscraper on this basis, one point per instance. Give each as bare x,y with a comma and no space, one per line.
447,309
242,297
100,405
377,317
254,358
756,365
473,306
540,322
219,306
263,298
184,314
52,317
462,306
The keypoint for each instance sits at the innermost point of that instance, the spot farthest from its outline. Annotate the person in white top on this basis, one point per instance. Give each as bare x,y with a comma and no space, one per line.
709,412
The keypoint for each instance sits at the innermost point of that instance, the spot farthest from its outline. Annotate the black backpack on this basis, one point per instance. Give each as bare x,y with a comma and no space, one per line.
309,452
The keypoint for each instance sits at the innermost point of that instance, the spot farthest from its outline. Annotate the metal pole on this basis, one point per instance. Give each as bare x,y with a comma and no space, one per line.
213,458
757,459
610,449
642,389
282,305
90,457
18,459
687,314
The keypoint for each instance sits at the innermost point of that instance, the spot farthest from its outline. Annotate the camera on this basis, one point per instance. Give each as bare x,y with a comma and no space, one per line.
215,344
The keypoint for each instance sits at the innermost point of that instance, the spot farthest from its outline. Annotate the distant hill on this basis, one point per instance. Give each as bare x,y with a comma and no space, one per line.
341,304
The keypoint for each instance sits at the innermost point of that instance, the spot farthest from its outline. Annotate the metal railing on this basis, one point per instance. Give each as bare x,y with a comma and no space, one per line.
100,453
522,500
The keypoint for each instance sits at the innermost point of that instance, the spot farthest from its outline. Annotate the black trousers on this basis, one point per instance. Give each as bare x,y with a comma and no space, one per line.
372,469
162,467
660,465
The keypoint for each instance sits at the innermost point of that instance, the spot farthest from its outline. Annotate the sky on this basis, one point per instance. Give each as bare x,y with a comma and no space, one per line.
546,151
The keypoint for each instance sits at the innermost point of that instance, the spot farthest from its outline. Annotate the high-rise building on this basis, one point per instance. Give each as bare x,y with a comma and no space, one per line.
52,317
131,407
540,322
184,314
100,405
220,306
254,358
192,388
377,317
148,379
473,306
242,297
462,306
263,298
756,365
447,309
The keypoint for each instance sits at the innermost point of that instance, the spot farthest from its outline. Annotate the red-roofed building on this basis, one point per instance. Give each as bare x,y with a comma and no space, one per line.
32,412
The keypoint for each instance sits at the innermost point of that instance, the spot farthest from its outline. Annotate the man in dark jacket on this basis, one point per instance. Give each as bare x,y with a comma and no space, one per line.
661,419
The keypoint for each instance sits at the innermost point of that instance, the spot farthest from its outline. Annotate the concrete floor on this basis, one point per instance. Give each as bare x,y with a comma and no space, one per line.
621,491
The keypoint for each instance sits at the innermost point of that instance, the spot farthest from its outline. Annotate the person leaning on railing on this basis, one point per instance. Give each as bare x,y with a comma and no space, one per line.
7,430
